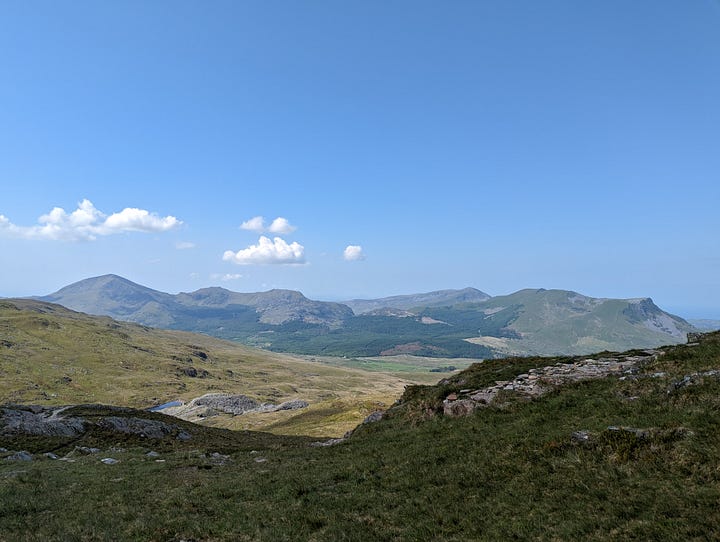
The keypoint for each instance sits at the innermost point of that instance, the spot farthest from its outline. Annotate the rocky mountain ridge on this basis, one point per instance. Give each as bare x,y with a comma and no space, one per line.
446,323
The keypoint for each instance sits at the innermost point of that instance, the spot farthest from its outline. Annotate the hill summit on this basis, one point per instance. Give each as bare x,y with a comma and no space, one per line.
465,323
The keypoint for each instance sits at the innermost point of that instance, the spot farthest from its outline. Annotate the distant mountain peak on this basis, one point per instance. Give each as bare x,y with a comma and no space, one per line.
426,299
530,321
113,295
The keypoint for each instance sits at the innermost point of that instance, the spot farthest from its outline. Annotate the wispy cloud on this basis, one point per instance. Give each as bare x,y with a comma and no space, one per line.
226,276
276,251
86,223
279,226
184,245
353,253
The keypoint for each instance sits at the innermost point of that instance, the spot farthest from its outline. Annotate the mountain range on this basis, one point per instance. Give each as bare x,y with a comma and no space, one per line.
446,323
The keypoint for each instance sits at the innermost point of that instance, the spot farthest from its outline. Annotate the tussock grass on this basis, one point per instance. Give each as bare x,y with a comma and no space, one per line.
50,355
501,474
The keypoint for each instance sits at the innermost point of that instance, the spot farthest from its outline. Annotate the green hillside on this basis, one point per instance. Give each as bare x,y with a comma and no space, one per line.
552,322
444,324
53,356
626,457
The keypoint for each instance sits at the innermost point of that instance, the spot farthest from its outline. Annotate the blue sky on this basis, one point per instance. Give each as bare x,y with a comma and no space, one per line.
494,144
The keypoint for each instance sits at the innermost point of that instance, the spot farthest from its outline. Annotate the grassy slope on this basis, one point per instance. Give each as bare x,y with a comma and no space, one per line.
550,323
544,322
501,474
50,355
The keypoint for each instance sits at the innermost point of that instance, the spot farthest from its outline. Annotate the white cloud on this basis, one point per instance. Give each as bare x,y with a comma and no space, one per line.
184,245
86,223
132,219
353,253
226,277
277,251
279,226
256,224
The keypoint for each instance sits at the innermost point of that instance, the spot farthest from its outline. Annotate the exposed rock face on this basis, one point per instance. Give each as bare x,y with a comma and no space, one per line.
538,381
692,379
461,407
292,405
137,426
192,372
39,421
51,422
20,456
212,404
230,404
374,417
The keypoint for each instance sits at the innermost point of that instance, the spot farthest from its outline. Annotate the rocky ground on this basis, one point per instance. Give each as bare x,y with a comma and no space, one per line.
539,381
212,404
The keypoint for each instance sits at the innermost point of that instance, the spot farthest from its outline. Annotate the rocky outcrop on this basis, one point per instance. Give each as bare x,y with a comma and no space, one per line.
540,380
692,379
212,404
153,429
39,421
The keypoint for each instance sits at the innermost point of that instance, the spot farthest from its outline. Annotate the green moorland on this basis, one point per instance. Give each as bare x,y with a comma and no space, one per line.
510,472
50,355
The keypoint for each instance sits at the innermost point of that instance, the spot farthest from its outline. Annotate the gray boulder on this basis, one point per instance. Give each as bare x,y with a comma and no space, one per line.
20,456
137,426
38,422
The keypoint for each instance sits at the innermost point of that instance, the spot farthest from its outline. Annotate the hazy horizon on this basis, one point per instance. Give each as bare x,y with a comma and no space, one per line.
684,312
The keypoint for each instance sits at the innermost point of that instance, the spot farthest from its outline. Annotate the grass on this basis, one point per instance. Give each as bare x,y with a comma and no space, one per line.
506,473
421,369
52,356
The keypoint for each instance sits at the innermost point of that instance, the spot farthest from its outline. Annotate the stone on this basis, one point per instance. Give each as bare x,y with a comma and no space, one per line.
463,407
329,442
483,397
374,417
86,450
153,429
39,421
580,436
293,405
20,456
110,461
